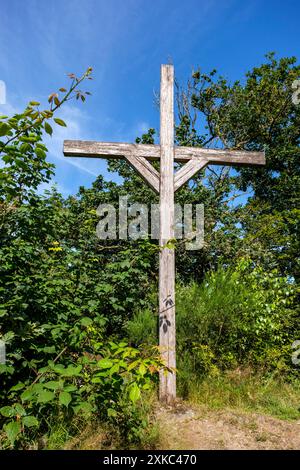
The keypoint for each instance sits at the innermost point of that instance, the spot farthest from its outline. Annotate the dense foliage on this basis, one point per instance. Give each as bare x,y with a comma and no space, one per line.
78,327
238,317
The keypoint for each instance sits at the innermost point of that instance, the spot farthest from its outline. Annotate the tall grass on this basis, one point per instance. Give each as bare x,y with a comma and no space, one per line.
248,391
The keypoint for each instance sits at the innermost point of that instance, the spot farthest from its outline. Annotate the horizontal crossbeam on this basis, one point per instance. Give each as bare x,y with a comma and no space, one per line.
93,149
220,156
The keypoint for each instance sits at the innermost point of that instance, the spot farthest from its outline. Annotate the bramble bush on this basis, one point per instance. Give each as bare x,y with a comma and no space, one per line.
103,386
55,303
62,295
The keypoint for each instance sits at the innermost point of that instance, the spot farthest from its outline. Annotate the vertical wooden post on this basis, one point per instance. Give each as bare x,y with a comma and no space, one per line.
167,389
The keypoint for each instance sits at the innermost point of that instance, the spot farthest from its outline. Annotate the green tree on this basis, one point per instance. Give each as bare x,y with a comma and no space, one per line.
258,113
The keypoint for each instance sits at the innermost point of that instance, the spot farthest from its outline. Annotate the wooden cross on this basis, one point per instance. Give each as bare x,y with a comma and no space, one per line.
165,183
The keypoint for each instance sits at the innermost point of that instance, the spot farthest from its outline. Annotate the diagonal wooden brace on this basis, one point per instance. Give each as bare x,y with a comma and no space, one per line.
188,171
147,171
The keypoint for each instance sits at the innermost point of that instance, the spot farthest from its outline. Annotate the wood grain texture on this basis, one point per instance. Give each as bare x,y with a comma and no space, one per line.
167,341
94,149
149,174
220,157
188,170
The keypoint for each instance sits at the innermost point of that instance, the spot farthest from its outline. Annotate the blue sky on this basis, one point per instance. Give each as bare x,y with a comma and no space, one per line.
125,42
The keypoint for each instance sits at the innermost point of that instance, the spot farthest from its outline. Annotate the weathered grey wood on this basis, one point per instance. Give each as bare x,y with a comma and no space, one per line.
93,149
167,389
220,156
188,170
149,174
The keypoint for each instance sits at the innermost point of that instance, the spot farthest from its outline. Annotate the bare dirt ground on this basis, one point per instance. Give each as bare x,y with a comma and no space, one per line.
198,428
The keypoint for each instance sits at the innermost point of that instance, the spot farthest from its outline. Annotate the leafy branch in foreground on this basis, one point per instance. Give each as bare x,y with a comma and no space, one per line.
21,146
20,124
94,384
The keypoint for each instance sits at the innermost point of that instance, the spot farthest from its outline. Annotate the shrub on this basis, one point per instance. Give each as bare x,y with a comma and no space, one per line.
107,384
241,316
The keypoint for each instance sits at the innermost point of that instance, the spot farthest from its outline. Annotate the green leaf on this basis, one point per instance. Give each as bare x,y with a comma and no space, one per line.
25,147
27,395
84,407
8,336
45,396
59,368
60,122
19,409
115,369
38,387
105,363
53,385
134,392
86,321
8,411
30,421
48,128
70,388
65,398
12,430
142,369
4,129
71,371
17,387
132,365
111,412
4,369
3,312
97,380
39,152
49,349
